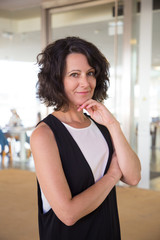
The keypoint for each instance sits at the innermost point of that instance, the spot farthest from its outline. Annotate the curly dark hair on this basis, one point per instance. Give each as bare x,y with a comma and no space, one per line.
52,63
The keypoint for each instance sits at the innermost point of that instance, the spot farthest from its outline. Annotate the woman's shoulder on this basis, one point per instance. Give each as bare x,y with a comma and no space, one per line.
42,133
42,128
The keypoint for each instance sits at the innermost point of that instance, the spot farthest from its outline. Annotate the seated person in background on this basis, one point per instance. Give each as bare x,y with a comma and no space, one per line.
3,142
14,119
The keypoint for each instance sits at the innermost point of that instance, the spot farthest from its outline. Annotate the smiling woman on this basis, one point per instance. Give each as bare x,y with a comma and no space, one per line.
79,79
53,69
78,158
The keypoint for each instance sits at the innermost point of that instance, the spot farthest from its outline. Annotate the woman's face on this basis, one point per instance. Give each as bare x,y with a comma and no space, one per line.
79,79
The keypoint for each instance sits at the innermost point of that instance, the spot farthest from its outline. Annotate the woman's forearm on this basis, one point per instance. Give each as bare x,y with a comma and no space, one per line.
128,161
87,201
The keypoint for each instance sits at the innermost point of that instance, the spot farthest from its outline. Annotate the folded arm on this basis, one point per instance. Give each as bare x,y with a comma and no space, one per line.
129,162
53,182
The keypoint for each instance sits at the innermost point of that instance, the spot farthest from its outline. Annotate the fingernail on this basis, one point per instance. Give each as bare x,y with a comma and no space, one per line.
79,109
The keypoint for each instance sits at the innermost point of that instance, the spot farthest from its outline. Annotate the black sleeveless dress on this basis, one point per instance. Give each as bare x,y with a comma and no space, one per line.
102,223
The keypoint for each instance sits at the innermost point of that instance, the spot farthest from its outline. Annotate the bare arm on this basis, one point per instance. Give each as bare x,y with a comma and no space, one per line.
54,184
127,159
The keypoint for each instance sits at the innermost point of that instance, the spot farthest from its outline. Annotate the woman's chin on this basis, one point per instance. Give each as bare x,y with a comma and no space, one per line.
77,104
82,102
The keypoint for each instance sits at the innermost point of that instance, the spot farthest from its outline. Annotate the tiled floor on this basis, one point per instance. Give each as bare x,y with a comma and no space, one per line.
28,164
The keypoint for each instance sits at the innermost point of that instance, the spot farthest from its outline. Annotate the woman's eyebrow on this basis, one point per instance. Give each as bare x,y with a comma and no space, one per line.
77,70
91,69
74,70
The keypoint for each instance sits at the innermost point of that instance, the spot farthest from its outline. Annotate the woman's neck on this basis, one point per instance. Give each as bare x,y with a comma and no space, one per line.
73,118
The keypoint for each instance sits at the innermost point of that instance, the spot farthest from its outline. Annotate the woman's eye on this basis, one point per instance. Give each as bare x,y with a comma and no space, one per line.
74,75
91,74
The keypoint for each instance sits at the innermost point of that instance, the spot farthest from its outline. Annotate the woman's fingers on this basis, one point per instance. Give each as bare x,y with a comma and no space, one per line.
88,104
98,112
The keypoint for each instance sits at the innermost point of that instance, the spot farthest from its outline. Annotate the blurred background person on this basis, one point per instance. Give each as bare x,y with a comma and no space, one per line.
15,119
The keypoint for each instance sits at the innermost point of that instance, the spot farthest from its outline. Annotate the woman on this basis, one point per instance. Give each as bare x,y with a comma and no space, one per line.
79,158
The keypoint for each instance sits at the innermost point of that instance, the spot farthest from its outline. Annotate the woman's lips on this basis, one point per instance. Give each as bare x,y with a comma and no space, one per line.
83,92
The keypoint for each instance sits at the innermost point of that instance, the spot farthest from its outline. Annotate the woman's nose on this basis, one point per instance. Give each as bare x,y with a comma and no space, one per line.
84,81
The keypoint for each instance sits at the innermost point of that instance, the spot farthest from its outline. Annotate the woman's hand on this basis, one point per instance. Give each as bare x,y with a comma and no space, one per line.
98,112
128,161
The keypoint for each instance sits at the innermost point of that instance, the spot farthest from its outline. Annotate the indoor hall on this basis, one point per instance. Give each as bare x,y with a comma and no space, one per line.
127,32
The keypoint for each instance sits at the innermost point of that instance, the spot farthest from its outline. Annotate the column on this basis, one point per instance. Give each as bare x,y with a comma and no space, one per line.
145,47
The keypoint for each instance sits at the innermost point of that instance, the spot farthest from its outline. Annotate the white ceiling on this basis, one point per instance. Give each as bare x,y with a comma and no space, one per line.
18,9
13,5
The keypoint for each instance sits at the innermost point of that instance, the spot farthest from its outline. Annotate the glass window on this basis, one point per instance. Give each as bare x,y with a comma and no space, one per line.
20,42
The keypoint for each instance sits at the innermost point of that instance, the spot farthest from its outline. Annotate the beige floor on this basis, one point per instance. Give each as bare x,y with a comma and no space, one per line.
139,209
139,212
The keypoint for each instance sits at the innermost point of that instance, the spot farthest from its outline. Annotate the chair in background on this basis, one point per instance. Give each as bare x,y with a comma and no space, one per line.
3,143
